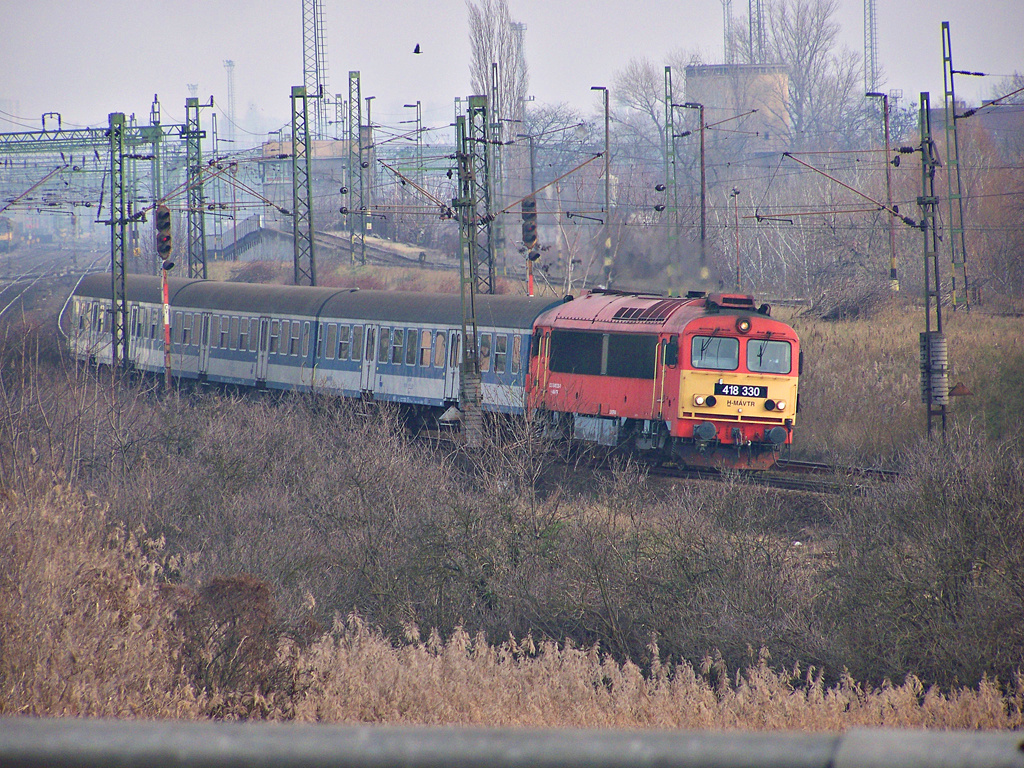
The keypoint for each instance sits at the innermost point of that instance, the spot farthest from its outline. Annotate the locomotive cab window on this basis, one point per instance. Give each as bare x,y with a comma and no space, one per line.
766,356
719,353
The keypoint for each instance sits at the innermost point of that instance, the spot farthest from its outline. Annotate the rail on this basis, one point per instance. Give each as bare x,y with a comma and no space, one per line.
76,743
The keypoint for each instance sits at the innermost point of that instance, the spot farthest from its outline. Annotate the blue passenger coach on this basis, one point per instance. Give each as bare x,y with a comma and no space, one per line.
386,345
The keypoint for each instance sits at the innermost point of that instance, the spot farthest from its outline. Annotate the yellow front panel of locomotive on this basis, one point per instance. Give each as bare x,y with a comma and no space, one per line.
737,396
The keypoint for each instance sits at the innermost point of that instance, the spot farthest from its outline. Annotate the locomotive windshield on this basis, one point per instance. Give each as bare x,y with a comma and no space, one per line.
720,353
765,356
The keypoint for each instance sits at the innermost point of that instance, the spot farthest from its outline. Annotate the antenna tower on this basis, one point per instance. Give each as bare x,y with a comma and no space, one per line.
755,9
870,47
314,65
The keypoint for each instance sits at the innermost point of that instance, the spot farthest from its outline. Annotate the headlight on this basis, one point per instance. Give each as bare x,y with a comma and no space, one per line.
698,399
743,324
780,405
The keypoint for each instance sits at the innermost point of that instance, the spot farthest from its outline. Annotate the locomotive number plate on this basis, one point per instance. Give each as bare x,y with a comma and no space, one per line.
741,390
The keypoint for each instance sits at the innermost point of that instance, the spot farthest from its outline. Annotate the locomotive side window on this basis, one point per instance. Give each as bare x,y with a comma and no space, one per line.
576,352
764,356
439,350
500,352
411,345
535,346
517,352
485,352
631,355
715,352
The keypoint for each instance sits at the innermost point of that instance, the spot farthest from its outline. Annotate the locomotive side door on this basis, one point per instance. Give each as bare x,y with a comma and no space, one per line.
262,351
451,370
369,369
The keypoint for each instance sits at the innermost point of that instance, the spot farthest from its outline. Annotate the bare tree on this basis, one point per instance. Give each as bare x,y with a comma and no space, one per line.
496,39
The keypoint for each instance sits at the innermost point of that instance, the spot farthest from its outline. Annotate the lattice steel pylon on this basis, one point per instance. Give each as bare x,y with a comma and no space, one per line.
302,190
957,239
870,47
118,229
314,64
478,227
356,187
470,390
934,364
196,204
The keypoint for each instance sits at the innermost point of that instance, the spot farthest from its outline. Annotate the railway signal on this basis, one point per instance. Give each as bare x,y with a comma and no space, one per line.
163,231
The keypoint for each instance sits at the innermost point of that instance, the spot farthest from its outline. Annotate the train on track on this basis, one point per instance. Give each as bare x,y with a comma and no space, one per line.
704,380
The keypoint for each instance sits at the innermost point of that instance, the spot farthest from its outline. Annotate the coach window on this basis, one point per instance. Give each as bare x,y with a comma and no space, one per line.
412,340
384,347
332,341
177,327
305,339
293,347
517,352
349,339
95,317
715,352
485,352
225,331
254,333
186,329
425,349
453,362
397,346
243,334
275,335
500,352
439,350
765,356
233,333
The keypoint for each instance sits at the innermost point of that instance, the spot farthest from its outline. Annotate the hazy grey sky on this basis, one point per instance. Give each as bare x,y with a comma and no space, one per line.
86,59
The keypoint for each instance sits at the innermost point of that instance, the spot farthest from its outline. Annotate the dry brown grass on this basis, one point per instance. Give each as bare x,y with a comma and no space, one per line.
860,398
358,676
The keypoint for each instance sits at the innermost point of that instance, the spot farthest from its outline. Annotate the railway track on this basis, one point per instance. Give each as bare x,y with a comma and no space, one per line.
806,476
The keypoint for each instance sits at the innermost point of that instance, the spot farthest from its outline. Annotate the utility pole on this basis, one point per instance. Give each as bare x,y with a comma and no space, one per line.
703,189
606,206
735,195
894,282
957,241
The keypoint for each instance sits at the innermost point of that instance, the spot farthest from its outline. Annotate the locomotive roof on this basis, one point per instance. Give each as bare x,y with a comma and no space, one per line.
640,313
378,306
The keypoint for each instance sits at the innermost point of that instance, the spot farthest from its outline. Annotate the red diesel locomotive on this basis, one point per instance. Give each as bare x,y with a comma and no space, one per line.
706,380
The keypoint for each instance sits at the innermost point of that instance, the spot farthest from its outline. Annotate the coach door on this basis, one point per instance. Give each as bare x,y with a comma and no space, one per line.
204,344
263,350
369,369
451,371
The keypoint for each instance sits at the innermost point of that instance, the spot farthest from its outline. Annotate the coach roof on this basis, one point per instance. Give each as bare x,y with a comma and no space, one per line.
324,303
